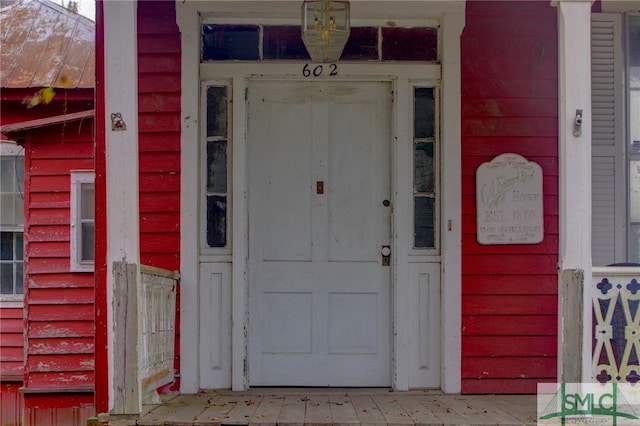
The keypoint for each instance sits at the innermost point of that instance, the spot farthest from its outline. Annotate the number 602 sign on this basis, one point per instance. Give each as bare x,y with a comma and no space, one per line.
311,71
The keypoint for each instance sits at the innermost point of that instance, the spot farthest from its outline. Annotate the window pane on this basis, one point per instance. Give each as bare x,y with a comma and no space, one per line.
362,45
7,174
217,166
87,200
6,278
88,232
6,246
7,210
424,113
216,221
409,44
634,191
11,178
19,245
283,42
423,167
634,51
424,214
634,117
634,243
19,174
18,210
224,42
19,278
217,111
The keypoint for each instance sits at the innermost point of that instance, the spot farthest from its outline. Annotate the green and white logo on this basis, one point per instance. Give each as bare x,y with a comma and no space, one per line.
588,403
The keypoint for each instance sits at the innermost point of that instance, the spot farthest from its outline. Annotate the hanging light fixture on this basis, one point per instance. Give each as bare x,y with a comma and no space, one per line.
325,28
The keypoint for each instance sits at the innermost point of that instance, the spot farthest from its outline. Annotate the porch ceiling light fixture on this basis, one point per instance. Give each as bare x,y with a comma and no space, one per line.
325,28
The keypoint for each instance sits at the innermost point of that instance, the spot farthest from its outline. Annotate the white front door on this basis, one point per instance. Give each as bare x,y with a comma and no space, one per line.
319,220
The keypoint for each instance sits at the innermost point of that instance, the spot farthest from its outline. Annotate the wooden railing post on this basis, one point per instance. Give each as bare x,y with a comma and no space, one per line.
572,326
126,377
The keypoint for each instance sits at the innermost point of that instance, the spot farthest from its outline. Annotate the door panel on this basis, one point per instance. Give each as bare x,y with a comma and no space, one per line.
354,207
286,202
319,296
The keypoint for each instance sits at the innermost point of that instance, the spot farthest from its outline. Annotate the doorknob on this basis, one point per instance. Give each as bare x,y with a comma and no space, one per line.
386,255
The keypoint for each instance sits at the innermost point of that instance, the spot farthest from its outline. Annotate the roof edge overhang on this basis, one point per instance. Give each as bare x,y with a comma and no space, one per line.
8,129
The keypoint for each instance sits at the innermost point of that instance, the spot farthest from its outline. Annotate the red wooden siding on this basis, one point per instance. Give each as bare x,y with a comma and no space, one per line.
69,409
509,104
59,304
12,403
159,138
11,344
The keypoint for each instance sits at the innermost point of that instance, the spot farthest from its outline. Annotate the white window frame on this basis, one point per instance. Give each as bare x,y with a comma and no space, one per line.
205,249
12,149
78,178
619,13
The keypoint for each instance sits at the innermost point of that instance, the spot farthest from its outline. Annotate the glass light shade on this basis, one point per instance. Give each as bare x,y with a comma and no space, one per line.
325,28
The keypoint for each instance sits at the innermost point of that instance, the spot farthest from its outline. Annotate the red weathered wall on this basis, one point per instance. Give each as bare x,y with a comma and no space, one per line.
11,344
159,138
59,305
509,104
12,403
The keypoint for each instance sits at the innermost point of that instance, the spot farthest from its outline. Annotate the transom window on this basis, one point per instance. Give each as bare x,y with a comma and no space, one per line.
11,221
284,42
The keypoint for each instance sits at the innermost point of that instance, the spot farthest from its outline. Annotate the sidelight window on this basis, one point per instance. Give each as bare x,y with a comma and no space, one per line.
424,168
216,151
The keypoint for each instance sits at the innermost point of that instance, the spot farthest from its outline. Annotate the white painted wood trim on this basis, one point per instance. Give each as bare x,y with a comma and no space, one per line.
240,212
574,38
188,22
402,194
292,71
121,96
451,197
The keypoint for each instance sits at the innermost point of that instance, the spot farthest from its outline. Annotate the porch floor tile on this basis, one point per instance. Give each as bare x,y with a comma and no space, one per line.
341,407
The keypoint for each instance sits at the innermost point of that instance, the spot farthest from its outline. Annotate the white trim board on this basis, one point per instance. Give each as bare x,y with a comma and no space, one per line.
121,96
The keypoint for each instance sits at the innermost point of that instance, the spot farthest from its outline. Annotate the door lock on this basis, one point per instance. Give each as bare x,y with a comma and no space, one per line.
386,255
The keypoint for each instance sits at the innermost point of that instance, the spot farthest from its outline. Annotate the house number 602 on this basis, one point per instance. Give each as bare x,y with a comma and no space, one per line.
318,70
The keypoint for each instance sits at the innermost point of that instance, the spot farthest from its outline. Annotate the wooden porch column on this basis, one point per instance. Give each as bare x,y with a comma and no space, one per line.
574,267
121,135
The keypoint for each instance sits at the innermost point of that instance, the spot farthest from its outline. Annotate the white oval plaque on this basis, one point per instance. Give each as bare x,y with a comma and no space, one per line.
509,201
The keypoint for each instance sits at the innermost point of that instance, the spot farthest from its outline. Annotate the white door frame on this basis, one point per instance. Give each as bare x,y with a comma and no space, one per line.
450,17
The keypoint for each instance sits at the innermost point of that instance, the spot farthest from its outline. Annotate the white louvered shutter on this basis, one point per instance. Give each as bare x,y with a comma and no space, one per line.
608,163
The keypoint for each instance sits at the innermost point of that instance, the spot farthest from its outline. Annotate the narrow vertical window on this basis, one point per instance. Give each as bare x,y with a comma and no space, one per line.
424,168
82,221
216,166
11,222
